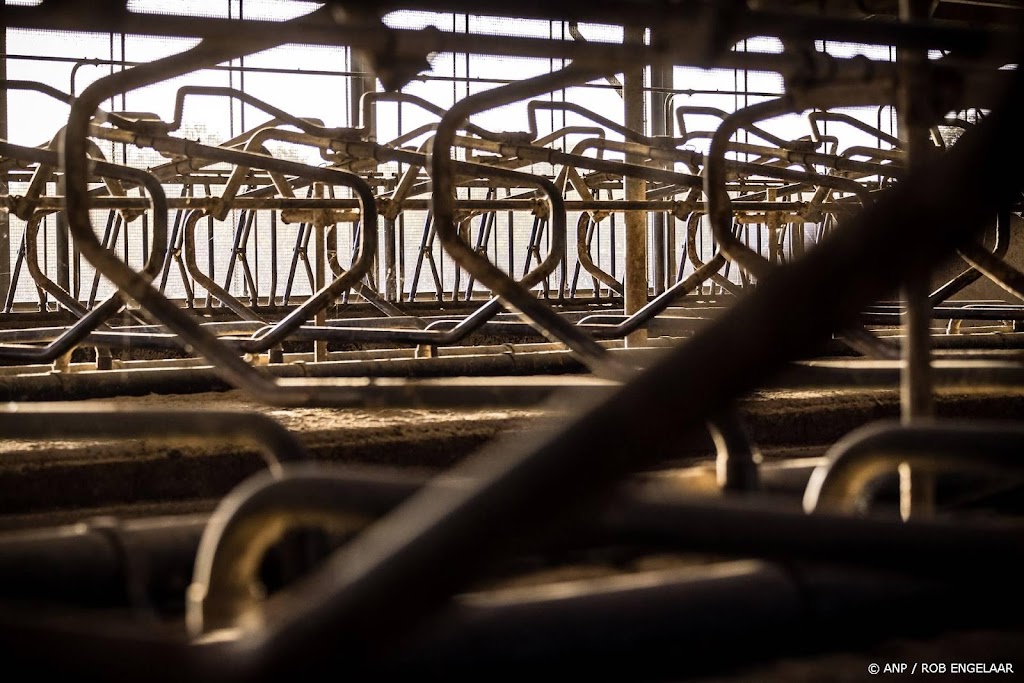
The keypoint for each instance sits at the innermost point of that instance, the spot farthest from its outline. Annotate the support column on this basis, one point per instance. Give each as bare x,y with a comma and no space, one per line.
319,273
917,489
391,292
635,276
661,81
62,242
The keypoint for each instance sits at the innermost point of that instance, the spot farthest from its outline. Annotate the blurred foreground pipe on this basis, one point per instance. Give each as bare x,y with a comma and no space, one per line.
401,568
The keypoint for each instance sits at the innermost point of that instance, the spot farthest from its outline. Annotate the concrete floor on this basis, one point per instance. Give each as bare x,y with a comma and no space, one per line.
46,483
58,477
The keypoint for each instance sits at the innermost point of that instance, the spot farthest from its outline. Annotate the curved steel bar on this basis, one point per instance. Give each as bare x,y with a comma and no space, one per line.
683,110
218,292
40,178
862,456
624,131
692,225
369,99
222,205
437,337
565,132
545,140
702,273
691,158
43,88
225,360
176,169
533,153
320,299
105,310
254,145
76,168
443,208
587,260
657,305
304,124
61,96
317,138
524,151
721,212
39,277
815,117
433,336
874,153
837,162
25,206
719,204
258,513
113,421
800,179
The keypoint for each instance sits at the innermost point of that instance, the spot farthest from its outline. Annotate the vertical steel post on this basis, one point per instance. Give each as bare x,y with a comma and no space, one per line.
661,82
390,267
362,81
635,275
319,272
917,489
62,242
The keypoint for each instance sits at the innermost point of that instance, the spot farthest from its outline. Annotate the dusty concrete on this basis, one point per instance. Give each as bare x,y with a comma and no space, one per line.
55,482
36,475
45,475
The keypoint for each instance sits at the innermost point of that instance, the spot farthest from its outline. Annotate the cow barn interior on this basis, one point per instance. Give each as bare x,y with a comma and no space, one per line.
634,340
